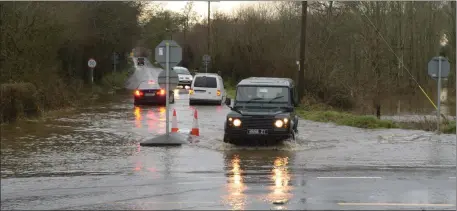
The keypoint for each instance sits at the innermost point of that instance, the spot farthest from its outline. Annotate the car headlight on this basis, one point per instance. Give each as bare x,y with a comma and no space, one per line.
236,122
286,120
279,123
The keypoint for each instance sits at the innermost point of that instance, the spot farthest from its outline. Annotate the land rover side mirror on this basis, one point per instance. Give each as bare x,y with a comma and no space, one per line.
228,101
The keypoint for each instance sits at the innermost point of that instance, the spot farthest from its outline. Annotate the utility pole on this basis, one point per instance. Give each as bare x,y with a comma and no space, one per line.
209,27
301,72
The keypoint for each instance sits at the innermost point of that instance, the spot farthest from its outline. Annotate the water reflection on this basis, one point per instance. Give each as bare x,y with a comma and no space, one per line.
154,117
235,187
138,118
138,166
176,94
280,191
152,126
261,168
162,118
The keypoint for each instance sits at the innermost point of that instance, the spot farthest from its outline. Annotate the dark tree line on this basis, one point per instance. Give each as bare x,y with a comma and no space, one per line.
358,54
48,44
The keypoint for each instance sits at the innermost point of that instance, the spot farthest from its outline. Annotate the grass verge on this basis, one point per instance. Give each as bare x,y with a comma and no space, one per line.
344,118
19,101
314,111
230,89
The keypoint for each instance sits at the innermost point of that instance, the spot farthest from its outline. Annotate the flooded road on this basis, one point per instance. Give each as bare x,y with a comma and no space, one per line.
91,159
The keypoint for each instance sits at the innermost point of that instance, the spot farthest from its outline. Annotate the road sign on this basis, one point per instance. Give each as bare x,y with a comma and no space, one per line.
433,67
175,53
206,58
115,58
168,54
173,79
92,63
438,68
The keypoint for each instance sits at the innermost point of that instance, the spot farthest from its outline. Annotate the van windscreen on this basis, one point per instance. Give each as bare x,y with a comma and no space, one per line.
206,82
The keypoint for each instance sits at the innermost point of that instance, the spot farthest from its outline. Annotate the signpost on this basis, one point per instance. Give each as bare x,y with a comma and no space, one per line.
206,61
115,59
173,79
92,64
168,54
438,68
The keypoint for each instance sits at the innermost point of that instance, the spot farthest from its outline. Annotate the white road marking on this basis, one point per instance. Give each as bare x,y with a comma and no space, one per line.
195,182
349,177
171,202
213,177
396,204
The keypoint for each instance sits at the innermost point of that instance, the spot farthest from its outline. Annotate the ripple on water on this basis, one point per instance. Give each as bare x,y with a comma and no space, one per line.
102,139
213,142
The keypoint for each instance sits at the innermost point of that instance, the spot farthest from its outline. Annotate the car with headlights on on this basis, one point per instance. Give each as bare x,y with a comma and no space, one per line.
149,92
263,112
184,76
140,61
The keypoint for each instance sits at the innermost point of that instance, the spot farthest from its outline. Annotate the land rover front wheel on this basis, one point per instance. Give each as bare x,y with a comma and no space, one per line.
292,136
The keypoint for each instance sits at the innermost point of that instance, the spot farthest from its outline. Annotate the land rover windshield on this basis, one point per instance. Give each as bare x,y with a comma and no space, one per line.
262,94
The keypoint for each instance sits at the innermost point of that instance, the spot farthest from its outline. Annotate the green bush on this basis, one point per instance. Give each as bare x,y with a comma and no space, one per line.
18,100
449,128
230,88
115,80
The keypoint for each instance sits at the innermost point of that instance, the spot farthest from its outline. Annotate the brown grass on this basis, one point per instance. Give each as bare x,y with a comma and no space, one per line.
18,100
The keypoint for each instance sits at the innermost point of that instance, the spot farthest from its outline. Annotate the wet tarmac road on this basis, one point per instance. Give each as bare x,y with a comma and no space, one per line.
91,159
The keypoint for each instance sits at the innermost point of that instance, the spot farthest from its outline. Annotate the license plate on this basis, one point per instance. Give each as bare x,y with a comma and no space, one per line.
257,131
150,94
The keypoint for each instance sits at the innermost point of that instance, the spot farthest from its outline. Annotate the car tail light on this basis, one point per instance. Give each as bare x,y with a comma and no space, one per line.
191,91
138,93
161,92
218,92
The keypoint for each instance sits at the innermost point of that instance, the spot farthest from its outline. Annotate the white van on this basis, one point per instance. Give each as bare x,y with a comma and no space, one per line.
207,88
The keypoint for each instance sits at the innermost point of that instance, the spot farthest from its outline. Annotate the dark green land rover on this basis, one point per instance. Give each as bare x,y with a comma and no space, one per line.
263,112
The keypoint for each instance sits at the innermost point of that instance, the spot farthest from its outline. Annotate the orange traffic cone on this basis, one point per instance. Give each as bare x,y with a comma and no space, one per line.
195,131
174,122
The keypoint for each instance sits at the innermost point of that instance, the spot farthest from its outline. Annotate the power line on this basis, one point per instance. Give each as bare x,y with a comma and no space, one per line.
401,60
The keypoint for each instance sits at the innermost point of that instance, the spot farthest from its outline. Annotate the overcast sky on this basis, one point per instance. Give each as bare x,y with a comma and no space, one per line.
201,7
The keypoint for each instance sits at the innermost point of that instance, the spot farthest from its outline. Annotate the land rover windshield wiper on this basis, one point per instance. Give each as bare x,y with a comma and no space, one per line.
256,98
276,98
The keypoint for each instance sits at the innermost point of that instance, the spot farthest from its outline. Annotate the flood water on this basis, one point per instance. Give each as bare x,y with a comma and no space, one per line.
91,159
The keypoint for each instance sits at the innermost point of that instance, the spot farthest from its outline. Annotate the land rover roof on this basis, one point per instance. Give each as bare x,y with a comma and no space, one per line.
207,74
256,81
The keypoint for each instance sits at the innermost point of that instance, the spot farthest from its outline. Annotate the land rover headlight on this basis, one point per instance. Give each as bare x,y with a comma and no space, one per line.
286,120
236,122
279,123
